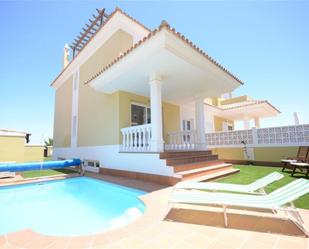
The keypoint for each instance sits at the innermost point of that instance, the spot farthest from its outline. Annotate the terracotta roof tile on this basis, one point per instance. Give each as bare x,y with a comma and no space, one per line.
163,24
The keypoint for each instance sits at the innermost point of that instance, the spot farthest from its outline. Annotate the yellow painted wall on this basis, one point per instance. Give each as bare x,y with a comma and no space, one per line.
170,113
63,114
171,119
263,154
229,153
234,100
274,154
34,153
218,121
215,102
98,113
14,149
11,149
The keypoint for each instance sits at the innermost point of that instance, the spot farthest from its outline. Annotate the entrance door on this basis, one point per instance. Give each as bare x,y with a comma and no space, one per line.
187,125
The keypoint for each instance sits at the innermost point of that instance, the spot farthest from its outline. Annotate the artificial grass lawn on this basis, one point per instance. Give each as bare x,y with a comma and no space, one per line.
48,172
249,173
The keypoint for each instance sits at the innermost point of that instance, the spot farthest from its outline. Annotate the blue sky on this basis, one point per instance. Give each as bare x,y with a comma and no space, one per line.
266,44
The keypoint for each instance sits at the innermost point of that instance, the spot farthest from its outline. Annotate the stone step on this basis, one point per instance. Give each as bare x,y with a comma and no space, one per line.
190,159
203,171
188,166
213,176
176,154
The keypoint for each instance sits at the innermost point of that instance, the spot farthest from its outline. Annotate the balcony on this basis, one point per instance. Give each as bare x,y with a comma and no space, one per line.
136,138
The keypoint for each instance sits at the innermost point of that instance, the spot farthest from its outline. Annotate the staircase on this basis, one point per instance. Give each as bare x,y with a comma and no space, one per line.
197,165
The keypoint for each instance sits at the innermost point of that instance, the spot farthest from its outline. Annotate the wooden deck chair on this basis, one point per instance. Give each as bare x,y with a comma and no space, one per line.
301,166
300,158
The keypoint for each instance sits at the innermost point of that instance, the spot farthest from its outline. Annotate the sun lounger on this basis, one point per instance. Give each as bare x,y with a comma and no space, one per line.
280,199
258,185
301,157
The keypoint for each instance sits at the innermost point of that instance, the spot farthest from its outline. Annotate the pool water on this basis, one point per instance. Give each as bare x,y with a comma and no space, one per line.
69,207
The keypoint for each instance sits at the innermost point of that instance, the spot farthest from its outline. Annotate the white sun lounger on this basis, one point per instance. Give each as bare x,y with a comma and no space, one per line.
258,185
280,199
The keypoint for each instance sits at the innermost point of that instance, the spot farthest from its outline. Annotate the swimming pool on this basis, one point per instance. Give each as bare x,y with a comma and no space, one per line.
69,207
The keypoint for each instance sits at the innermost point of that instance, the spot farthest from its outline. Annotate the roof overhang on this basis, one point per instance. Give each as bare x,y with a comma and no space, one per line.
13,133
259,109
186,71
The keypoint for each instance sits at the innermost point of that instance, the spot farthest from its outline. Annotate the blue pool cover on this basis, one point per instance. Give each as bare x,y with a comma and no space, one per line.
18,167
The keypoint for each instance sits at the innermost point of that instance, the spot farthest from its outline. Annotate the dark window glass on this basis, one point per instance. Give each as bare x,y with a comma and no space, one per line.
138,115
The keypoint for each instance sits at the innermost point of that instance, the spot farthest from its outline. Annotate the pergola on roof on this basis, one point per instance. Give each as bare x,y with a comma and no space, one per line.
89,31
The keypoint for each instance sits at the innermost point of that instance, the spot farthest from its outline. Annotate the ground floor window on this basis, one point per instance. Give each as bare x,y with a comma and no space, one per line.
140,114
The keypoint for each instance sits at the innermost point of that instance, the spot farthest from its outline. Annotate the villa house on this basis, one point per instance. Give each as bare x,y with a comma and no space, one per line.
138,102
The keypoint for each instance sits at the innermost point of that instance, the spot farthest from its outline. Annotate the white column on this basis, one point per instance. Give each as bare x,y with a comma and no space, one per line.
157,143
257,122
246,124
200,124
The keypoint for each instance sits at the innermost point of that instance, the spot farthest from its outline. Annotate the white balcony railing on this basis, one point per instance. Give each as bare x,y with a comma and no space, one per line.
181,140
136,138
293,135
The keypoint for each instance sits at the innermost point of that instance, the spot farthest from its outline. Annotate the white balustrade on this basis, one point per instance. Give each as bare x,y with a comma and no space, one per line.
136,138
293,135
182,140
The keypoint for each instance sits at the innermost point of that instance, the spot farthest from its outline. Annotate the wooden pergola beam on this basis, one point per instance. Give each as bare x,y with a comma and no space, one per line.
88,31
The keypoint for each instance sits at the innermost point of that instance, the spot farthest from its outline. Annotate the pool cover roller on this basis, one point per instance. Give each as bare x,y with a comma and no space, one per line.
19,167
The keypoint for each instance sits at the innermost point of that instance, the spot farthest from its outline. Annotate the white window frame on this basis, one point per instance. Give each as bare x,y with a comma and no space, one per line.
142,105
191,121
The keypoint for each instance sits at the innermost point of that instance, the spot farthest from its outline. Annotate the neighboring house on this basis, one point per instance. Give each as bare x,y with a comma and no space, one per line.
14,147
222,113
129,95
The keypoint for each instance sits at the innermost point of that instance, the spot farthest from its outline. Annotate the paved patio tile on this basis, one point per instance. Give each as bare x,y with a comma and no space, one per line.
41,242
198,240
161,241
80,242
261,240
22,238
149,233
289,242
133,241
100,240
228,240
109,246
61,242
2,241
116,235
